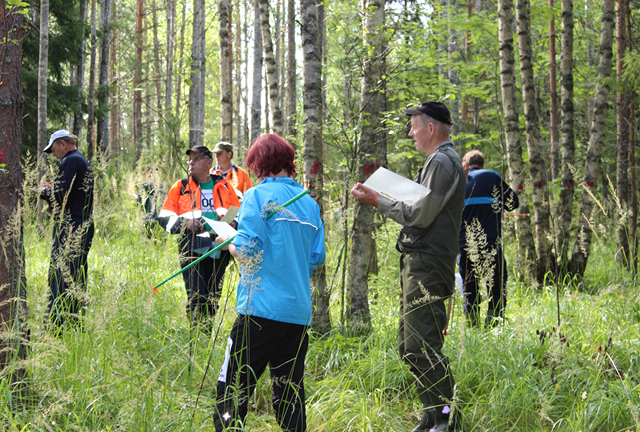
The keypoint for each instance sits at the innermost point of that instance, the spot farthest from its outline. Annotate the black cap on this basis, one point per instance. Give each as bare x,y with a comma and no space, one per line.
435,110
201,150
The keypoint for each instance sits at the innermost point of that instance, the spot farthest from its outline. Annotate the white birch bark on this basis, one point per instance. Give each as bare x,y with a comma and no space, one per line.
272,73
226,104
198,74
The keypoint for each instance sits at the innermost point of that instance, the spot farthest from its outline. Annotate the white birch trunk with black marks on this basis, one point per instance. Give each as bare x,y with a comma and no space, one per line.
226,103
77,117
291,73
198,74
256,88
272,72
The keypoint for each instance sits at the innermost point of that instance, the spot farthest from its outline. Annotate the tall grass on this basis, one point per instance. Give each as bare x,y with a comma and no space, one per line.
139,366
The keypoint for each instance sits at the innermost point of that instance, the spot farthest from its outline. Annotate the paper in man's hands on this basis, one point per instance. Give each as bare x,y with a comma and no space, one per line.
395,187
219,227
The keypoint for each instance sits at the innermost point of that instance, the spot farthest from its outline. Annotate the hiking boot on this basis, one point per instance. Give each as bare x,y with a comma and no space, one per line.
427,421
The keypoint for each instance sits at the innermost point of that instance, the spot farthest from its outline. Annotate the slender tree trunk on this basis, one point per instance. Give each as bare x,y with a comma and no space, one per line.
77,118
256,100
291,73
137,81
370,109
157,69
537,175
565,204
582,245
43,63
272,72
102,129
168,94
622,120
13,296
312,154
114,111
198,74
180,66
226,101
452,49
91,100
517,172
103,89
553,126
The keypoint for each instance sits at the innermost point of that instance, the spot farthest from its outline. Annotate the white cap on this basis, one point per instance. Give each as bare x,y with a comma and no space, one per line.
63,133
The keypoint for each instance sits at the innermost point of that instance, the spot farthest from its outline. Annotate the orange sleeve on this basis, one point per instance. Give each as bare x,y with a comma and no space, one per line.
171,202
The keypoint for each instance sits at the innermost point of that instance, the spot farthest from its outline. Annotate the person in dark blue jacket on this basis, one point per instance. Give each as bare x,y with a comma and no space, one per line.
481,255
70,198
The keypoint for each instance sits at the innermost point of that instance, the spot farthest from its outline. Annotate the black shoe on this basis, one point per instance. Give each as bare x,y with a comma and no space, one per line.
427,421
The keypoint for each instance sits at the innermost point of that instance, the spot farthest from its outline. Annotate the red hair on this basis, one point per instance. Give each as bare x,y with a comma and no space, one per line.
270,154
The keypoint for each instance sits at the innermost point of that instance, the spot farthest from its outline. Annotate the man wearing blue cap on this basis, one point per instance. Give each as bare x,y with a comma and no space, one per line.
70,198
428,242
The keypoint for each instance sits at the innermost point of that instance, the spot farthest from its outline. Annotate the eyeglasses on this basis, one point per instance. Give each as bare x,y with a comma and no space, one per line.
194,161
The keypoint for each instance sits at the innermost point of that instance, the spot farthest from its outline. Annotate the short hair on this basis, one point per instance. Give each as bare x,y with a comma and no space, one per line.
270,154
442,127
474,157
71,139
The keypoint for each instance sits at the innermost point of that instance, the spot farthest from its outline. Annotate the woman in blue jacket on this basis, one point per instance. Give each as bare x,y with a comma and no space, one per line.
276,255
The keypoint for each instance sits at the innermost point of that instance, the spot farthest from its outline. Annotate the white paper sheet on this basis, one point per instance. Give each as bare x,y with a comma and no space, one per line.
396,187
220,228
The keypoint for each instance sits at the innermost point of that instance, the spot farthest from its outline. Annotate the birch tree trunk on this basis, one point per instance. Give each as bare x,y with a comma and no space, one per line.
291,73
537,175
91,100
43,63
103,88
272,73
168,93
137,82
198,74
77,117
179,78
582,246
226,102
565,204
312,154
157,69
256,87
368,140
553,110
517,174
622,120
13,296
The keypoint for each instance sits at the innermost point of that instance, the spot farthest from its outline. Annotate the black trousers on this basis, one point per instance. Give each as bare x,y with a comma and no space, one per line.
68,270
427,281
493,268
253,344
203,283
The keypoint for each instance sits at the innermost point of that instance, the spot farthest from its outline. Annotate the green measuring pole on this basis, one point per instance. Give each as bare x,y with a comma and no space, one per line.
226,242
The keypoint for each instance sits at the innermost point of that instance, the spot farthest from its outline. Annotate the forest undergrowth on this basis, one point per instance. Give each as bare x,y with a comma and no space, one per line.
139,366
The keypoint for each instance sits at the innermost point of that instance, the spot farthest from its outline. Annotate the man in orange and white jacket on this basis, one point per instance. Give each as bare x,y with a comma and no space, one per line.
235,175
201,194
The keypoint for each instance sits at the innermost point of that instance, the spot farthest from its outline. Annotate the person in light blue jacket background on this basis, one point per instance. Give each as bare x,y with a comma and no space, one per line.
277,255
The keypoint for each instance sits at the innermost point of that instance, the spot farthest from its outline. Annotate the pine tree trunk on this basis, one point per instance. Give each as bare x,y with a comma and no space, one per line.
137,81
77,118
226,102
272,72
553,109
622,120
291,73
91,99
312,154
114,110
13,304
370,109
256,90
198,74
517,174
103,90
582,246
565,204
537,175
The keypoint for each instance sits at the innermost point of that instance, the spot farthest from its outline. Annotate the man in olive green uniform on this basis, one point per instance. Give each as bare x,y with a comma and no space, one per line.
428,242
